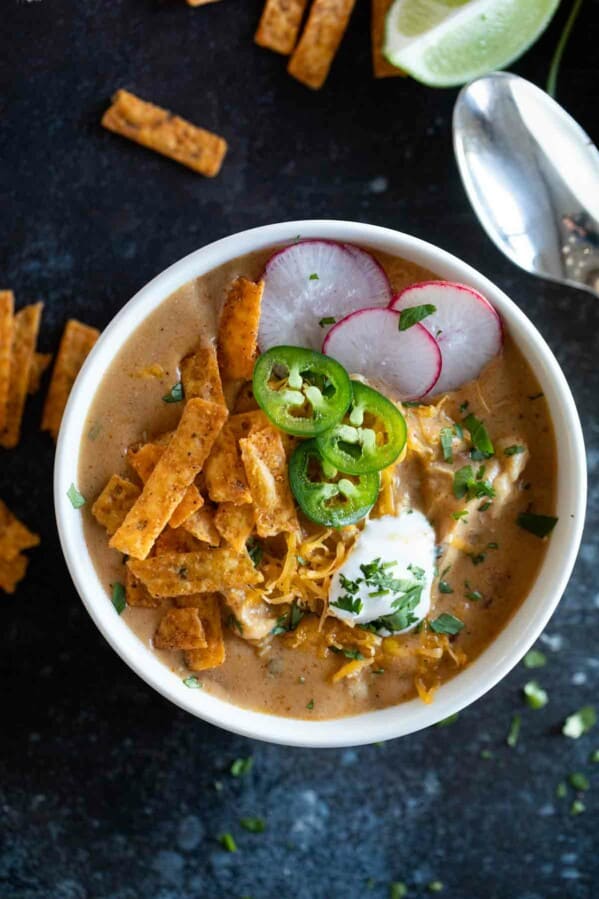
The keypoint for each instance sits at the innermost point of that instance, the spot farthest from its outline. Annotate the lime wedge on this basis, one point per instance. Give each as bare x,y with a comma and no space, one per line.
444,43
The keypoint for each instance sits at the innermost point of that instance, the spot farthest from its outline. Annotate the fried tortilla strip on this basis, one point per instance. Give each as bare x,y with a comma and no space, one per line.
39,364
7,306
235,524
265,463
12,571
200,375
75,345
238,329
26,326
202,571
199,2
163,491
381,67
165,133
175,540
143,461
280,24
113,504
320,41
180,629
14,536
201,526
137,595
226,481
214,653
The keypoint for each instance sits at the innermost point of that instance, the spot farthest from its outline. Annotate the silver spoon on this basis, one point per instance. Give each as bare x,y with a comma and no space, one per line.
532,176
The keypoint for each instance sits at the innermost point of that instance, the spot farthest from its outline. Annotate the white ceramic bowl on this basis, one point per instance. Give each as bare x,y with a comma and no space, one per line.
494,663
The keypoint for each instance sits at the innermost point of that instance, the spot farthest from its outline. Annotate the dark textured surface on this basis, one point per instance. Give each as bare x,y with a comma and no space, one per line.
107,790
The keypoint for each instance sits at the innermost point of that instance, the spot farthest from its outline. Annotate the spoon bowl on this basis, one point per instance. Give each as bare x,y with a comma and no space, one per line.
532,176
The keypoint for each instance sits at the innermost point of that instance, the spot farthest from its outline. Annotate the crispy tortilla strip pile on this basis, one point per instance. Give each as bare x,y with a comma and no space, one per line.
159,130
26,325
280,25
75,345
14,538
381,67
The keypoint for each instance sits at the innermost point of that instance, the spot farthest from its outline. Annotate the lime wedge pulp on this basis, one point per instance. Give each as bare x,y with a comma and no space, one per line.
444,43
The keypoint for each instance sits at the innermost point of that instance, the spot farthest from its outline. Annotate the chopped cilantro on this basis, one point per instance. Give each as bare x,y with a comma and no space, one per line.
414,314
492,545
514,732
484,506
118,598
327,320
94,431
192,682
227,842
466,484
580,722
255,551
289,621
535,659
464,405
561,791
411,404
175,394
444,587
514,450
472,595
579,781
536,396
539,525
310,705
479,436
577,807
447,443
446,624
314,277
348,653
241,767
253,825
536,696
234,623
461,513
397,890
451,719
77,499
477,558
382,671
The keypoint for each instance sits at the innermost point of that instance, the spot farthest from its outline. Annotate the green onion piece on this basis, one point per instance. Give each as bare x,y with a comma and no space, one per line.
254,825
414,314
192,682
241,767
447,443
446,624
227,842
77,499
514,732
175,394
579,781
536,696
444,587
539,525
535,659
118,598
580,722
514,450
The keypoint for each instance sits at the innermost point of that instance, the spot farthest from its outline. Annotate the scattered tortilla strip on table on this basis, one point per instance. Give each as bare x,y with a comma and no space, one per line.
113,504
137,595
214,653
238,329
26,327
76,342
14,535
201,526
320,41
381,66
39,364
168,134
280,24
183,458
200,374
143,461
12,571
265,462
235,524
7,307
202,571
180,629
199,2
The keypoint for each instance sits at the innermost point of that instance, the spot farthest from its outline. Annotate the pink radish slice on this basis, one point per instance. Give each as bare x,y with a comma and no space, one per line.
312,281
465,325
368,342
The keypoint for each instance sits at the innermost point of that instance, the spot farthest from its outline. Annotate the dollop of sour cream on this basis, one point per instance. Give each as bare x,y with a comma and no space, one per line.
386,580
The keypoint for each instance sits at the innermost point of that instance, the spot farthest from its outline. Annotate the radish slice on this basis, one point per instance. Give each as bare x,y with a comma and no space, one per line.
368,342
465,325
313,281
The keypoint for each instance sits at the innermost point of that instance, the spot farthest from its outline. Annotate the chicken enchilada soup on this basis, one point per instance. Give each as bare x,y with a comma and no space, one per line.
319,480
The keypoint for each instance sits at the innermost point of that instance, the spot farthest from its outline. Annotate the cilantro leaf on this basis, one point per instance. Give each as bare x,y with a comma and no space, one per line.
175,394
77,499
539,525
414,314
479,436
118,598
446,624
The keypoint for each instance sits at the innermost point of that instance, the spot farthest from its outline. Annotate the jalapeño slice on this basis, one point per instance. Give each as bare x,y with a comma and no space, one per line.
323,495
371,436
301,391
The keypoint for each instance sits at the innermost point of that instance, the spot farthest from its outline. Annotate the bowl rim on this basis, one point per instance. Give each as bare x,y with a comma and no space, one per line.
495,661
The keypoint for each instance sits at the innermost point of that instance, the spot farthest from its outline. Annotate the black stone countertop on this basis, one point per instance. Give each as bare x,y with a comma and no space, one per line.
107,791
